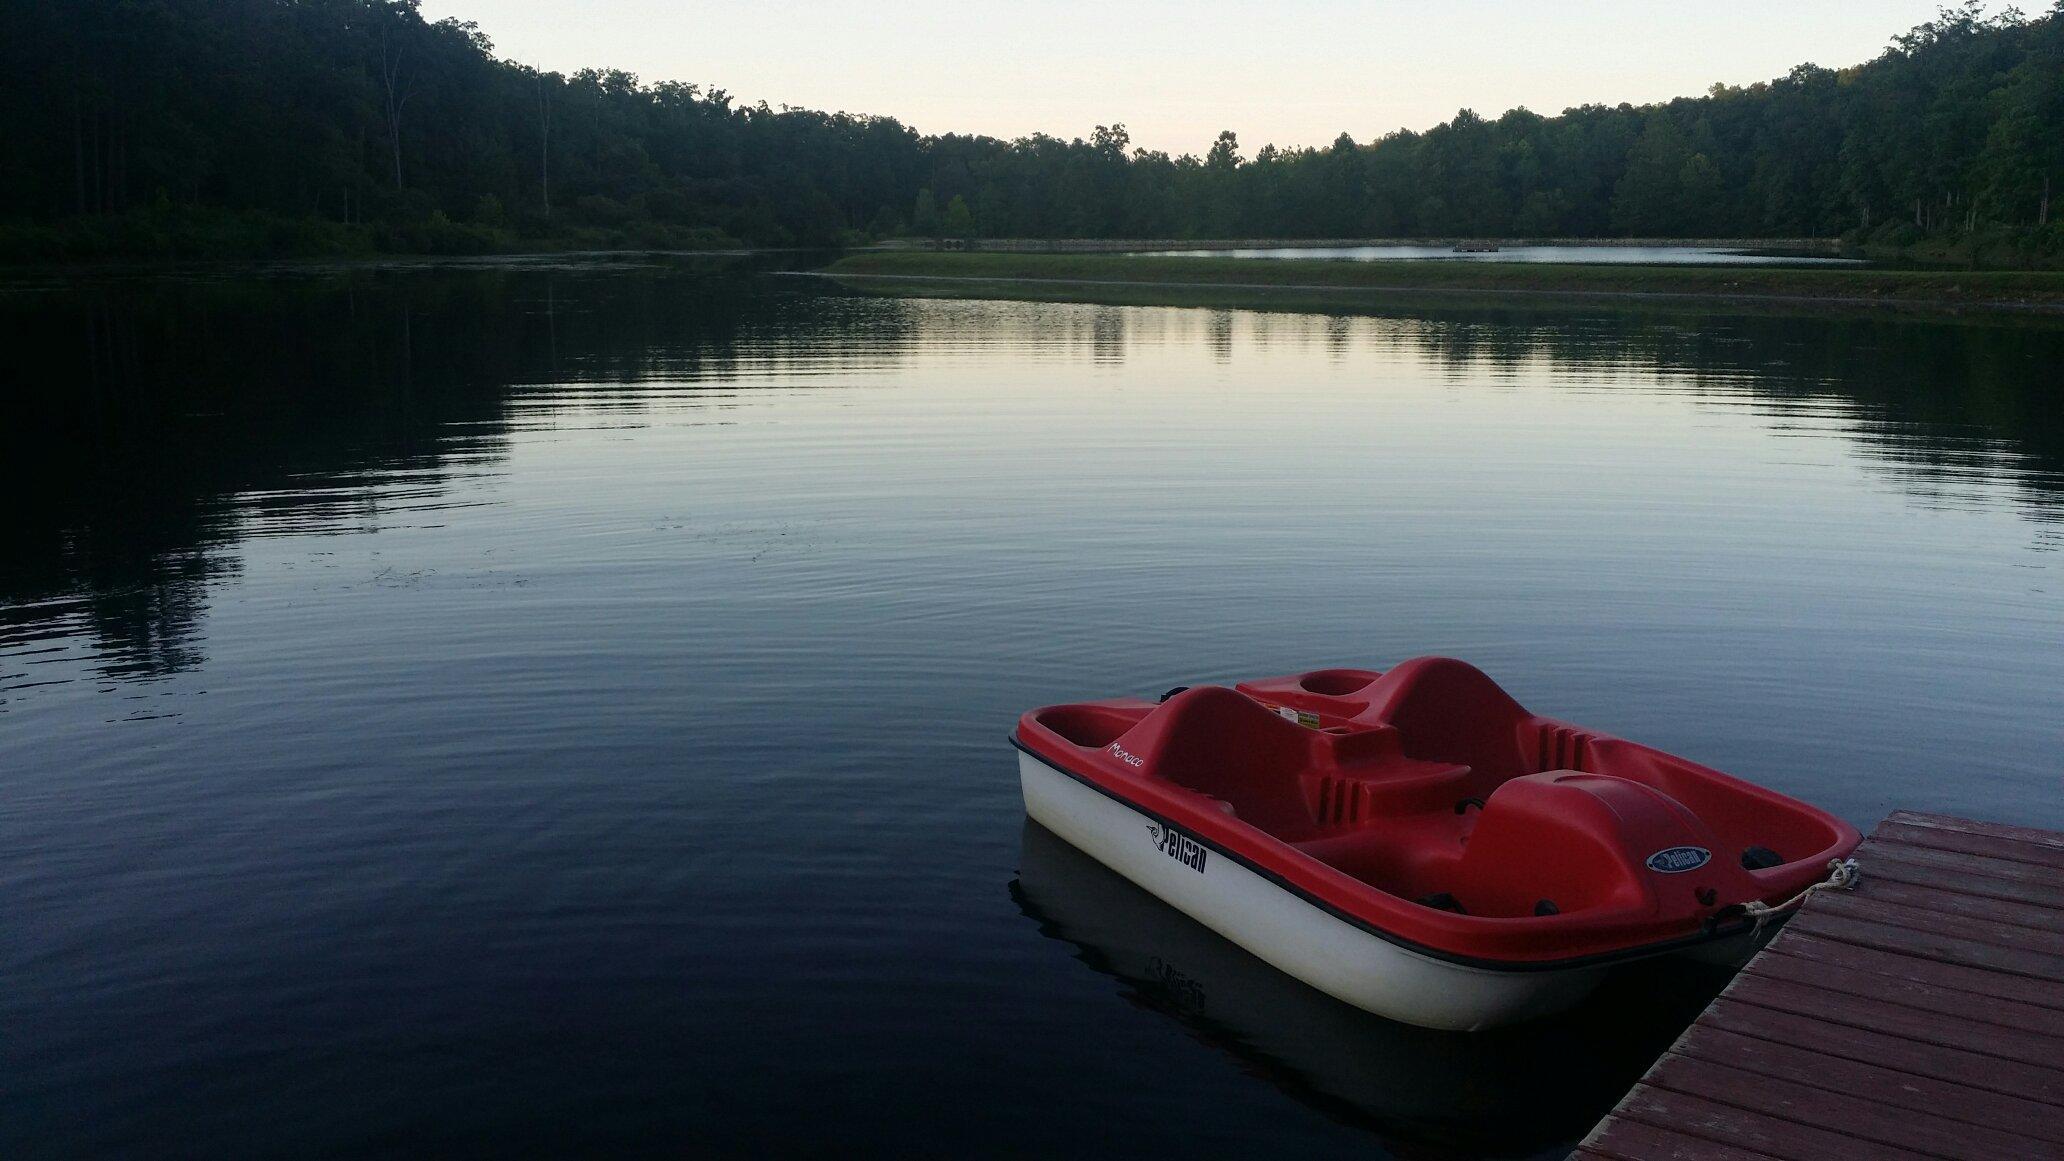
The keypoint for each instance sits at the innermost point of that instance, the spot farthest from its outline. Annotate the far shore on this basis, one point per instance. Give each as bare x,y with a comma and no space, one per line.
1805,246
1141,277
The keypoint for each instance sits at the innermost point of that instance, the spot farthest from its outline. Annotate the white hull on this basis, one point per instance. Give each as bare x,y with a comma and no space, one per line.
1293,934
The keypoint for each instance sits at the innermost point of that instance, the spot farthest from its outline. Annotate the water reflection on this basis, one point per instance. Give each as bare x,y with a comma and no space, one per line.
1513,1092
1937,404
166,420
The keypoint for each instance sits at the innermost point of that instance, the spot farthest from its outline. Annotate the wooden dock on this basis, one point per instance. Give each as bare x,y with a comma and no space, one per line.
1920,1015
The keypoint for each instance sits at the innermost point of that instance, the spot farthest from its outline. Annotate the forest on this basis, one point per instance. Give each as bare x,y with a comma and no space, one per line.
221,127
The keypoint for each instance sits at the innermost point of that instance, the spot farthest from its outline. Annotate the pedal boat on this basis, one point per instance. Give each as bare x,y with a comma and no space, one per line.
1417,844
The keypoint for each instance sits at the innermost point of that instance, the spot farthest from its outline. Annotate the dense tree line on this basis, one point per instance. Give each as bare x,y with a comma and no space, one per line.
317,122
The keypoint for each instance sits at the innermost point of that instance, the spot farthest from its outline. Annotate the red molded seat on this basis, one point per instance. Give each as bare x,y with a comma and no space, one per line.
1224,744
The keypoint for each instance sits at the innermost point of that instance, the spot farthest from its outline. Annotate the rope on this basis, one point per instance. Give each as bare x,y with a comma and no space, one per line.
1842,875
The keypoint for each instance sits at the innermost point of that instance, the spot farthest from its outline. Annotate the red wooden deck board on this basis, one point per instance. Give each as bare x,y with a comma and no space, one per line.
1908,992
1891,863
1955,900
1921,1015
1630,1140
1924,941
1964,862
1846,1043
1747,1129
2028,834
1872,906
1853,1008
1861,1116
1989,845
1980,983
1814,1069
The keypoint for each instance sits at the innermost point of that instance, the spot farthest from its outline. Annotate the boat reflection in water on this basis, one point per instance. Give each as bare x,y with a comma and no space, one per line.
1517,1091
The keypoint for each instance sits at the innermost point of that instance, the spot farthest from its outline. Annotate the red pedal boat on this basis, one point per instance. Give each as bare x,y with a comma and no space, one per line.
1416,843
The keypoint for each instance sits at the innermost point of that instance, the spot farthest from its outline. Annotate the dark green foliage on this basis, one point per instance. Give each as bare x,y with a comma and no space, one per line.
197,127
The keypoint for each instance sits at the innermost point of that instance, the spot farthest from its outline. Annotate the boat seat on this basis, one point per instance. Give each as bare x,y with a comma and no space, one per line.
1449,711
1573,839
1294,782
1406,855
1224,745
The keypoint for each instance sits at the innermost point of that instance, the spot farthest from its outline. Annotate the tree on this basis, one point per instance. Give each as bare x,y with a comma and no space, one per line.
924,217
1650,197
959,221
360,112
397,78
544,145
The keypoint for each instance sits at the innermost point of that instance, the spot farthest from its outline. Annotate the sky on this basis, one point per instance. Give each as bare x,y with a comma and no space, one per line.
1296,72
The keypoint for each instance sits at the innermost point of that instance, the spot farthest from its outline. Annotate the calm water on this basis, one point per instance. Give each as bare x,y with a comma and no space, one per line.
554,708
1579,255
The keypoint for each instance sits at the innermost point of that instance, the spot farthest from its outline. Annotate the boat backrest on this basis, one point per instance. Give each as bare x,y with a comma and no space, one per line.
1224,744
1448,711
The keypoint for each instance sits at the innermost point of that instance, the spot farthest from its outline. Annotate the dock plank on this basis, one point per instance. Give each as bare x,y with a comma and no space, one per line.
1966,861
1854,1010
2001,830
1979,983
1816,1070
1907,992
1919,1015
1990,846
1629,1140
1928,943
1848,1043
2012,936
1723,1123
1947,871
1857,1116
1948,899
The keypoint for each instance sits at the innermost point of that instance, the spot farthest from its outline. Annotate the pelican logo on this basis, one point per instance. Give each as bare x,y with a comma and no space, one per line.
1178,846
1676,859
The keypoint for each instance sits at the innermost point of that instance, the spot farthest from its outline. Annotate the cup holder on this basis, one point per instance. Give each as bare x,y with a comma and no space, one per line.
1091,727
1335,682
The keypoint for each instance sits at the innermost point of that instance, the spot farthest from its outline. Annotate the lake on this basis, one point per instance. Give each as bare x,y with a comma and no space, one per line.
561,706
1603,255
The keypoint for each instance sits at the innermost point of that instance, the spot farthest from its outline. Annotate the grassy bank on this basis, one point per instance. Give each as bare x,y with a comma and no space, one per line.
2022,290
1989,248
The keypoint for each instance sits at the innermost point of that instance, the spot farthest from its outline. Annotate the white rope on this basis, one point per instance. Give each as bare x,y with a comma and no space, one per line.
1842,875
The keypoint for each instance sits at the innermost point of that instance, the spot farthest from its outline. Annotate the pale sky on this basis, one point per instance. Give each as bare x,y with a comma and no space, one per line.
1297,72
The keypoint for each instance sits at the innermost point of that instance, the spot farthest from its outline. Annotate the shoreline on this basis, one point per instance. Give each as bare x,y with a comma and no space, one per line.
1812,246
2024,293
